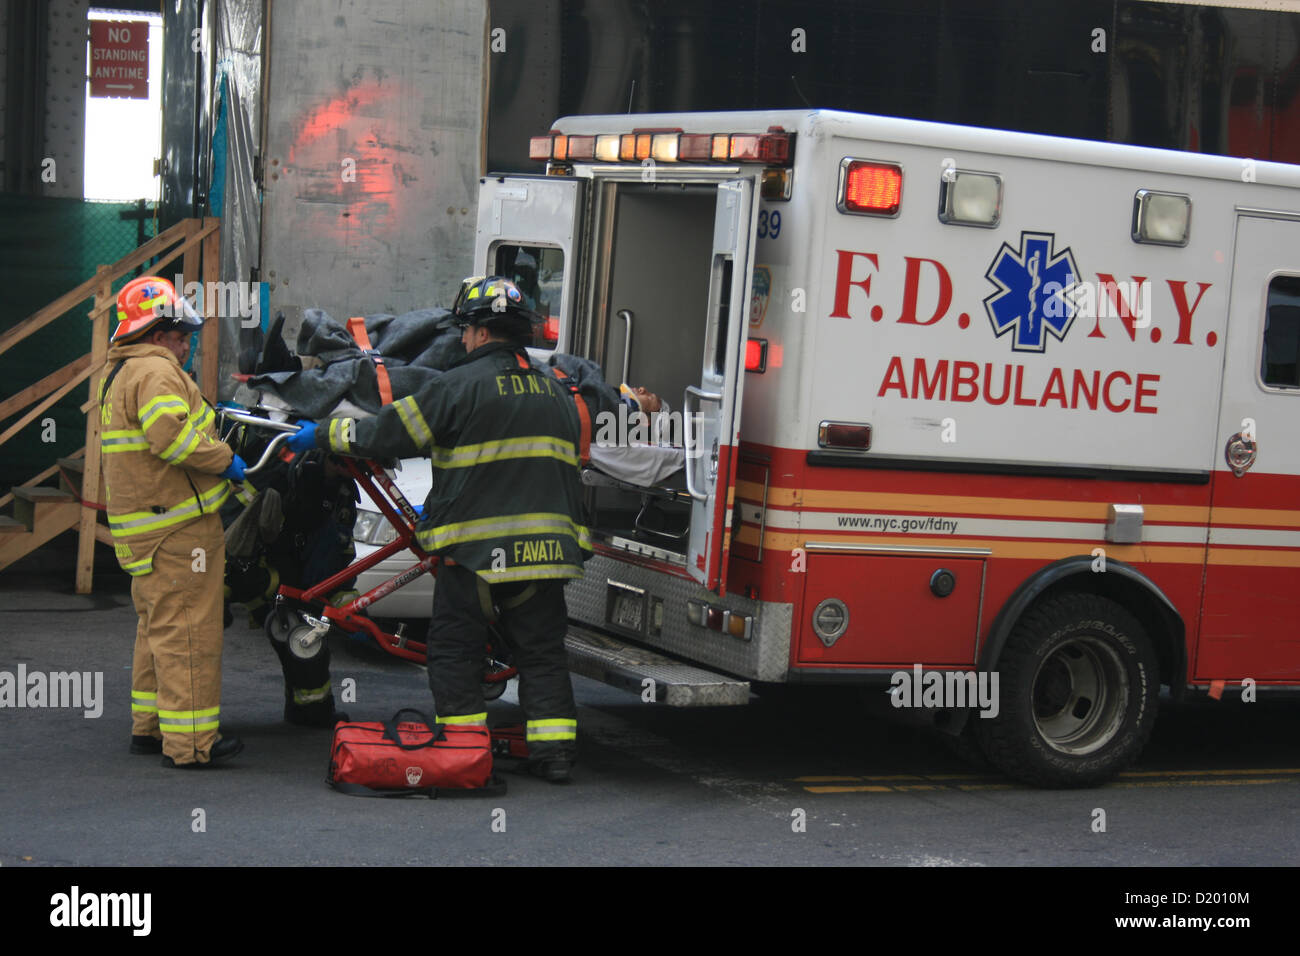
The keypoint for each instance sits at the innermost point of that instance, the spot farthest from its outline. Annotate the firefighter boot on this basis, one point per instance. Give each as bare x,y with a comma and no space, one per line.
222,750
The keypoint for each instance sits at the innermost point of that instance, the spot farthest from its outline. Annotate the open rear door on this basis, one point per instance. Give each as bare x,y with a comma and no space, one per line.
711,410
527,229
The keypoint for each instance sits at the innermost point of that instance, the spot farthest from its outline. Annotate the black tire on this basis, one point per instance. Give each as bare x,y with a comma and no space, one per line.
1078,686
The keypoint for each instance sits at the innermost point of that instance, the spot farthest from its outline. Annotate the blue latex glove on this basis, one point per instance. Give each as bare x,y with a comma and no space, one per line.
304,438
235,470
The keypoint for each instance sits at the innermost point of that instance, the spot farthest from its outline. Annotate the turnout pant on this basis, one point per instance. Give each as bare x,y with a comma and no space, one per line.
534,618
176,673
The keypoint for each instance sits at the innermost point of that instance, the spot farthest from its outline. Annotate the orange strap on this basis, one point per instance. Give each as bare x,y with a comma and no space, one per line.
584,416
357,329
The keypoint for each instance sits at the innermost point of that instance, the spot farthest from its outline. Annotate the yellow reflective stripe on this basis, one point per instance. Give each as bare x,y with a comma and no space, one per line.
150,303
138,522
339,434
160,405
499,527
536,446
136,567
243,494
463,719
553,729
188,721
533,572
312,695
186,727
204,417
182,446
127,439
414,422
148,702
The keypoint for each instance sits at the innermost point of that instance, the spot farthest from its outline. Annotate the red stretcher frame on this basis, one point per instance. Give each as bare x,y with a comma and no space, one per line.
392,504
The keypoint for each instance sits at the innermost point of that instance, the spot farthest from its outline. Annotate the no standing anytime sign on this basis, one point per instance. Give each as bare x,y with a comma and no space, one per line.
119,58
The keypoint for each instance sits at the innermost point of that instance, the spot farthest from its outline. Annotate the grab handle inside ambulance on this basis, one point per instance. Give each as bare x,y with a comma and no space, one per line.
626,316
691,439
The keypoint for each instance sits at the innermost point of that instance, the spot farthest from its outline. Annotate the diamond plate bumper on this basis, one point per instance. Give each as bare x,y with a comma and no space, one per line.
612,662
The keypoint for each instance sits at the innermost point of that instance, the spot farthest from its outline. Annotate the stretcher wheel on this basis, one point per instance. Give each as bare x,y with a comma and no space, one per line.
280,623
306,642
492,689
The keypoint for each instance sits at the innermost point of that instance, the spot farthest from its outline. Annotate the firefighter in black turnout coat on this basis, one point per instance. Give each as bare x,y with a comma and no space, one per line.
504,513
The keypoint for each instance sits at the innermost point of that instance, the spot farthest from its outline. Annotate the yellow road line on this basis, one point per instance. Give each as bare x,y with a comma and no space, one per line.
1130,780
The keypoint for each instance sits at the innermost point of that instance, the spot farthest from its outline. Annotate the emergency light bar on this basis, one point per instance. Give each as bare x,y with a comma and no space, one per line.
772,148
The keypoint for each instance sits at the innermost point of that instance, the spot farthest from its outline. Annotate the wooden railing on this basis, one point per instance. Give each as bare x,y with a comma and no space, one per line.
196,243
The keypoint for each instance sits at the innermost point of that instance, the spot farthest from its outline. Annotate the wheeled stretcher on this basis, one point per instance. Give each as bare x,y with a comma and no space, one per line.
302,617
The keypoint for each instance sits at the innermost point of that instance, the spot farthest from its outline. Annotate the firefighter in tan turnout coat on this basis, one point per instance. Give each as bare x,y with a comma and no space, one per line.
166,473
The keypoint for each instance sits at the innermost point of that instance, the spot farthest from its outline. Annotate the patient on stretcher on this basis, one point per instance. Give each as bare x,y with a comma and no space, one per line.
636,445
635,437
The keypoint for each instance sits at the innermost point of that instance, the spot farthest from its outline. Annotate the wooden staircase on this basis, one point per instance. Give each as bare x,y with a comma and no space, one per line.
40,512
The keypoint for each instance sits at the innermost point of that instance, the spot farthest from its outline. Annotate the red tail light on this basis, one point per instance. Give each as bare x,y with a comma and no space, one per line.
551,328
873,188
756,355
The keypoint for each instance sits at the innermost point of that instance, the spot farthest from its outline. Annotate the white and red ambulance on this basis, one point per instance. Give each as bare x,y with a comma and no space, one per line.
958,403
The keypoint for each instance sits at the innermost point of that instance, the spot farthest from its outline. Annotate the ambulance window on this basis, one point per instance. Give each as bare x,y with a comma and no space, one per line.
539,273
724,314
1280,365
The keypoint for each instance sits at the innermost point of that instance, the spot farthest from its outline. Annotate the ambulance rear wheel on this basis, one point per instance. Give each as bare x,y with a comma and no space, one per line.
1078,686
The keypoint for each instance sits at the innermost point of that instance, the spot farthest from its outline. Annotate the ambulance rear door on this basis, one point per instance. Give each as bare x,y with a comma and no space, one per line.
1248,621
527,232
711,410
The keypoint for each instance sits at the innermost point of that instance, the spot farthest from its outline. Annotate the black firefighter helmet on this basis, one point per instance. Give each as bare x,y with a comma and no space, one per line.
495,303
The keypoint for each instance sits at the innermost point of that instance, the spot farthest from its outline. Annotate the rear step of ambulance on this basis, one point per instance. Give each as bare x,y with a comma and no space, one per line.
610,661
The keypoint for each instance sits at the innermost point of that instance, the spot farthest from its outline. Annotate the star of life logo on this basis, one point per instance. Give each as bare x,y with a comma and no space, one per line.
1034,292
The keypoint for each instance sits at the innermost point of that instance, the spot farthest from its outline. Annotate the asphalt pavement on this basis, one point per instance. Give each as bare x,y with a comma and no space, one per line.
803,779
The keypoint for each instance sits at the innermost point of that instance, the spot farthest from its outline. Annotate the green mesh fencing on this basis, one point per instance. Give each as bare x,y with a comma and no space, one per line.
47,247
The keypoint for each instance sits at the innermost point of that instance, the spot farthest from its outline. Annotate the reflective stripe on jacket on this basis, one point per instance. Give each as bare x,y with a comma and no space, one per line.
161,453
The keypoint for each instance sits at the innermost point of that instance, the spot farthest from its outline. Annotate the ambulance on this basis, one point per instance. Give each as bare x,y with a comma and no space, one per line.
963,411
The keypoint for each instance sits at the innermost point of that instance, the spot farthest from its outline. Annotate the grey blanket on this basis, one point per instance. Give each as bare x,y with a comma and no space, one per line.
417,347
